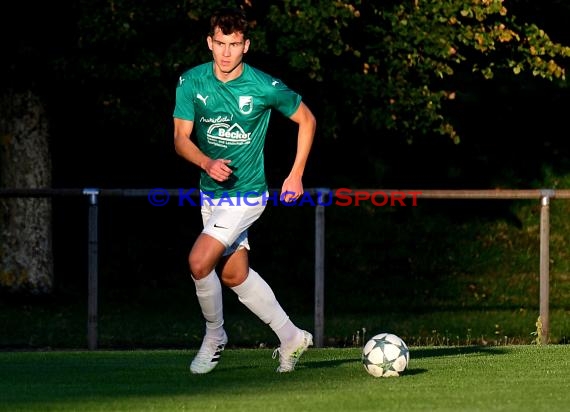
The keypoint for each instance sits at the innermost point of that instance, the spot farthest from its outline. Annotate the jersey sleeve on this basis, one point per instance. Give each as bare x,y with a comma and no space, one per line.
184,104
284,99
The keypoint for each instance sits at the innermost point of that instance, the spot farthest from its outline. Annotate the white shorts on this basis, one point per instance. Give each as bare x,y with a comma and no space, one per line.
228,221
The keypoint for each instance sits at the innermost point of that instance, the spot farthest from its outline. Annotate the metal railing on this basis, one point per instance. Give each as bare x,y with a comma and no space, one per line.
93,194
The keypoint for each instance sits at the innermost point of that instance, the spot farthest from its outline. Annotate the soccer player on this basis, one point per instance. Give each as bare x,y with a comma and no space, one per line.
227,104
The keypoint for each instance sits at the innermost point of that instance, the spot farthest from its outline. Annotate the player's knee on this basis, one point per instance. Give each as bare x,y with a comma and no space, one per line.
198,267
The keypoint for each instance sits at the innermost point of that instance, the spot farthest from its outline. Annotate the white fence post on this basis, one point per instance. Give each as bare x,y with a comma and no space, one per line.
545,264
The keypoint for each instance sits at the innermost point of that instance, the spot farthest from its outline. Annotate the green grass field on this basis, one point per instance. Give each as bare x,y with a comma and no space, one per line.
454,378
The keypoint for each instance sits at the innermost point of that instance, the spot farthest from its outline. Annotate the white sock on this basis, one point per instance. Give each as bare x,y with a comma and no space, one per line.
209,293
258,297
289,334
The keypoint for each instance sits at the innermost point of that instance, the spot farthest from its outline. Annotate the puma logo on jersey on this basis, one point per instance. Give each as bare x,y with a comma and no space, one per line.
199,96
274,83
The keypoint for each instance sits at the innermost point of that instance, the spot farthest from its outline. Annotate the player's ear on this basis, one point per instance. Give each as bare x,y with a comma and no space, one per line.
210,43
246,46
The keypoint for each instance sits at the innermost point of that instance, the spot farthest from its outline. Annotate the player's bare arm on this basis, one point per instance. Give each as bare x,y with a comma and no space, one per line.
217,169
293,185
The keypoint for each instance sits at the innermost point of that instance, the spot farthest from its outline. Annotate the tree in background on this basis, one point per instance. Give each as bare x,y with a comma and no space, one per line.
26,254
26,258
394,63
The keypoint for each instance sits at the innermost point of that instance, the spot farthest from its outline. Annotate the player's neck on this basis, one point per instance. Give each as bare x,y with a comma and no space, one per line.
224,76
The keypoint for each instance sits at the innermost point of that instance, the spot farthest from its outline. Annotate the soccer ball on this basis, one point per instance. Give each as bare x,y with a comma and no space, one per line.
385,355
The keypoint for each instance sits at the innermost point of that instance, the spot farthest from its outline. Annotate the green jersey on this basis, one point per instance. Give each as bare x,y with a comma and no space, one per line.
231,121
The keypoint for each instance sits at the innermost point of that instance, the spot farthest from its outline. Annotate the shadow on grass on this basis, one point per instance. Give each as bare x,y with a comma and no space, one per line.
415,353
329,363
455,350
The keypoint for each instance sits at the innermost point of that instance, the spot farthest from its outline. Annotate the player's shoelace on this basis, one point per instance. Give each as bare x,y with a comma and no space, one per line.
209,355
288,359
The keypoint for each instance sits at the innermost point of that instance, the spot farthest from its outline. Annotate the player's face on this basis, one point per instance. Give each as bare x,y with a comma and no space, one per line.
228,51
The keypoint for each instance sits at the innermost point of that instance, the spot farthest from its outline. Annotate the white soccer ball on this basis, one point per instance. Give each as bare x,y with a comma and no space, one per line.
385,355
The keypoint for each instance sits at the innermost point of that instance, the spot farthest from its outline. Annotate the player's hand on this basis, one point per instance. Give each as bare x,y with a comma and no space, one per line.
218,170
292,189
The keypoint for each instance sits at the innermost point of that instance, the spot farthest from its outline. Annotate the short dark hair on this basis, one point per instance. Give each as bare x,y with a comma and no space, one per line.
229,20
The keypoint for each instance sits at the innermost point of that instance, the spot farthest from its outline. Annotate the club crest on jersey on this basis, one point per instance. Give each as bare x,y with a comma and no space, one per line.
245,104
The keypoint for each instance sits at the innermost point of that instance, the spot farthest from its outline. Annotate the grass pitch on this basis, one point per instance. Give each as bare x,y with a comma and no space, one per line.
463,378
